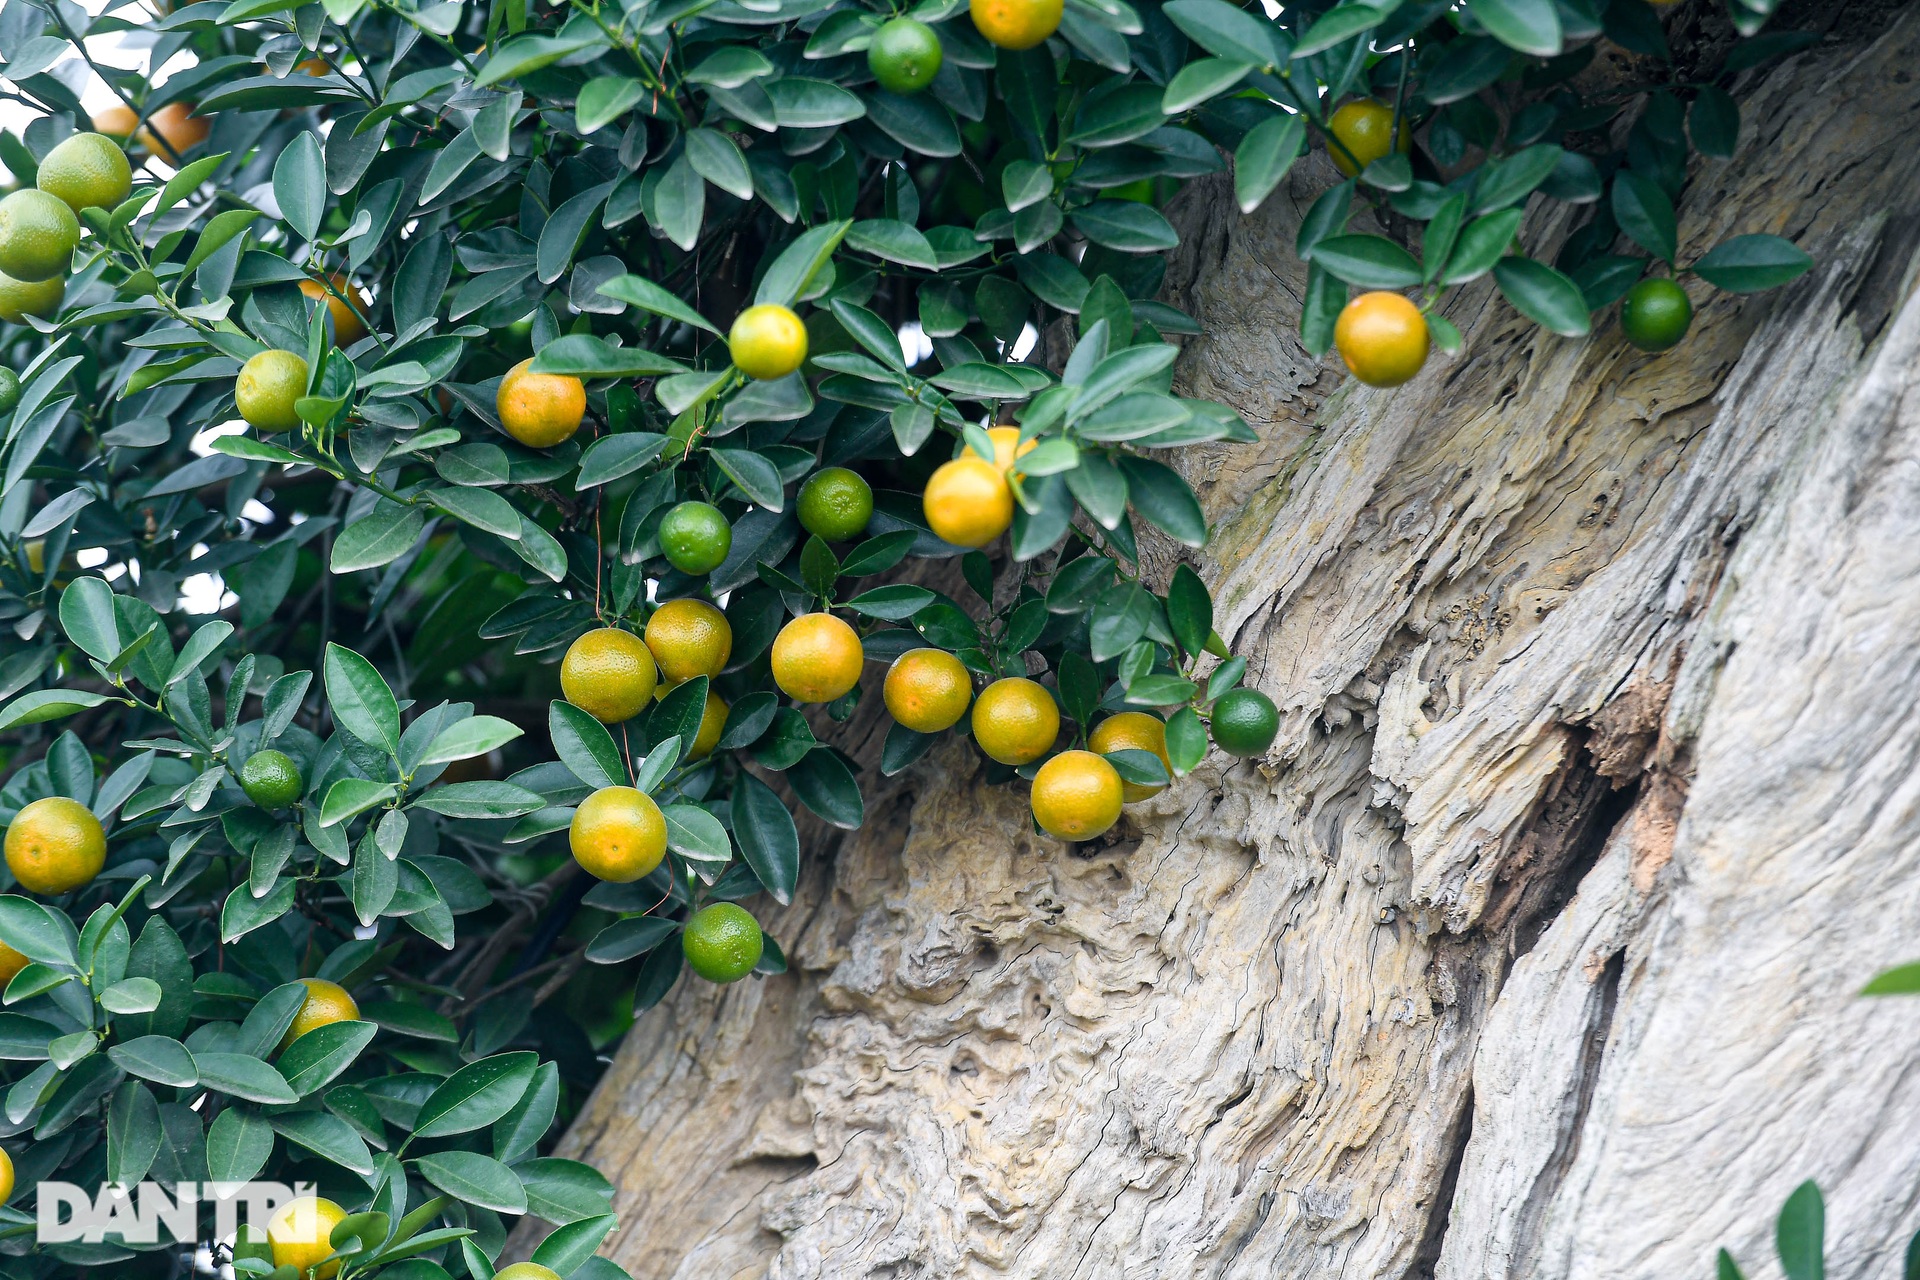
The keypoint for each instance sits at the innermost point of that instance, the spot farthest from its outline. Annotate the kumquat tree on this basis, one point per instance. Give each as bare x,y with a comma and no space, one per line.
466,463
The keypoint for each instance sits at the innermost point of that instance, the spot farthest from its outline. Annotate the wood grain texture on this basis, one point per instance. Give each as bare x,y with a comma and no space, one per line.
1530,949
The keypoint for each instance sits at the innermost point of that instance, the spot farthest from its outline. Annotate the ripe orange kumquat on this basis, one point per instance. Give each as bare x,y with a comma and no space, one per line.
1382,337
927,690
540,410
967,502
1015,720
689,638
1076,796
817,658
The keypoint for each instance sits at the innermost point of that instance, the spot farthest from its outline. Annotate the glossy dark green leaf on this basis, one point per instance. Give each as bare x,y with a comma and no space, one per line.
1529,26
1543,295
238,1143
825,784
1714,122
585,747
475,1179
1752,263
1645,214
1369,261
1800,1234
476,1095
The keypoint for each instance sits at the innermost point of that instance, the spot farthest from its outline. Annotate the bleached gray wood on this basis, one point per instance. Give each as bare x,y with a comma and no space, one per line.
1531,948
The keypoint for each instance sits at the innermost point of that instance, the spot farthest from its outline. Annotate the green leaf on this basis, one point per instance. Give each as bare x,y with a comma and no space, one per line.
1111,115
916,121
604,99
313,1060
1645,214
612,458
1902,980
133,1133
34,932
803,103
1025,182
87,616
694,833
255,450
481,800
379,537
1337,26
187,181
1726,1268
242,913
413,1020
681,202
637,291
199,647
826,785
870,331
585,356
585,747
1800,1234
156,1058
1480,246
1186,741
1750,264
1163,497
516,1133
1200,81
1126,226
243,1076
1372,262
757,477
570,1247
300,185
1327,217
717,158
1762,49
1189,610
465,739
1264,156
1142,768
1510,180
792,274
975,380
563,1191
1544,296
1714,122
131,995
894,241
350,797
238,1144
768,838
220,228
1529,26
635,936
475,1179
1228,31
49,704
481,508
327,1136
895,603
476,1095
518,56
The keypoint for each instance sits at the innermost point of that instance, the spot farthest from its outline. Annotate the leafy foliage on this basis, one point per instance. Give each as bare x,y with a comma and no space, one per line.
414,196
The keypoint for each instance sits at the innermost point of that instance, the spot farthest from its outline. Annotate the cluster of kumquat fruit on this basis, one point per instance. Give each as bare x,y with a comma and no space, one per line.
698,372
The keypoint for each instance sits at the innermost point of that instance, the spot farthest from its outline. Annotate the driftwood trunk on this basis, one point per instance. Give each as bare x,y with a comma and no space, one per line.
1532,948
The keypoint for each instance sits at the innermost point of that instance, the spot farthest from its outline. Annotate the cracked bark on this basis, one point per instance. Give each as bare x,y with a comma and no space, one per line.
1530,948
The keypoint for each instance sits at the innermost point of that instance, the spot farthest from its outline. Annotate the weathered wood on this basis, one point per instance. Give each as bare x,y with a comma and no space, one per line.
1530,950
